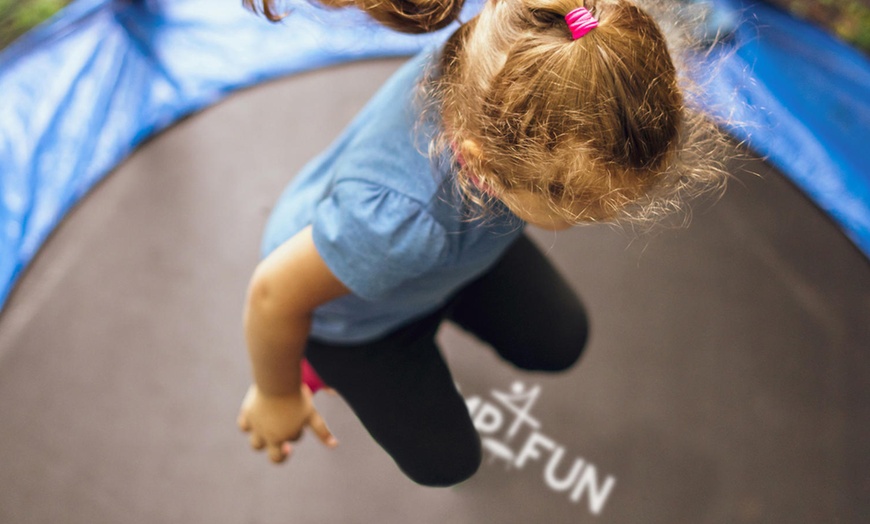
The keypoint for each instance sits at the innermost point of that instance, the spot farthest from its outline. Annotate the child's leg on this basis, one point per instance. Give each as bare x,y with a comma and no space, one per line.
402,392
524,309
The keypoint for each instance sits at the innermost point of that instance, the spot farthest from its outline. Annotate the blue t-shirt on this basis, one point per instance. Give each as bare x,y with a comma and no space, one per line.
389,222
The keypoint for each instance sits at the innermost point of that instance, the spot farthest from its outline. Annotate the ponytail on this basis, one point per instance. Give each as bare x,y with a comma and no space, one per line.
407,16
597,123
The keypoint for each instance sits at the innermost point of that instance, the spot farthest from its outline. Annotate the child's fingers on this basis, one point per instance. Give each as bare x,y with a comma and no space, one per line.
278,451
257,442
243,423
319,427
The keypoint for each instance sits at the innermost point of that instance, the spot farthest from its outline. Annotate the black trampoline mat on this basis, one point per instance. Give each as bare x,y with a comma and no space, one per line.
726,380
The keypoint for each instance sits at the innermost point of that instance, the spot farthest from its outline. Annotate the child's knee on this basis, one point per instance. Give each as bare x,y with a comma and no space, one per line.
444,471
567,347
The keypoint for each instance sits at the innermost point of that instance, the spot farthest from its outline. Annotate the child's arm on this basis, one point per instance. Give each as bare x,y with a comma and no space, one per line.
285,288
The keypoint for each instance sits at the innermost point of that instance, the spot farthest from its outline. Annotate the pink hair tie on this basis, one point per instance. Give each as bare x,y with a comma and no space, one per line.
580,21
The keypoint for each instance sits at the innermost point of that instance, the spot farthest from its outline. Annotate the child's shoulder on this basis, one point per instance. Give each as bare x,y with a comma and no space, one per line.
398,105
388,143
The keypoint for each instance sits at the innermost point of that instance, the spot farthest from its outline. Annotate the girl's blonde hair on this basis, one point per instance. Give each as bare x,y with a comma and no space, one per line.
599,126
605,127
407,16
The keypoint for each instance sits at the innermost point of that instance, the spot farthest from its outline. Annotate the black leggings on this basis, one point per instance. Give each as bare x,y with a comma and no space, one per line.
401,389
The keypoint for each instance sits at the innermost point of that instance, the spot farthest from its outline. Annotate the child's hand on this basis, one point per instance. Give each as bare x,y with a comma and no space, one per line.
274,421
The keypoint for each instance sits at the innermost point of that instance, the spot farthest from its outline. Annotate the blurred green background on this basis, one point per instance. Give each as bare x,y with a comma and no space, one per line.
18,16
848,19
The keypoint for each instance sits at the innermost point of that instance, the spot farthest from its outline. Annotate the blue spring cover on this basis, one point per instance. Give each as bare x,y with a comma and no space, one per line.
80,92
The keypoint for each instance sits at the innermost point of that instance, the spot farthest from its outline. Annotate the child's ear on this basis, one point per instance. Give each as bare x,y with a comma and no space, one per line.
470,149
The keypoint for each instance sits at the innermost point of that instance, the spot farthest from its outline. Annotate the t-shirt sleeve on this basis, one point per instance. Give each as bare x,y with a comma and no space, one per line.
374,238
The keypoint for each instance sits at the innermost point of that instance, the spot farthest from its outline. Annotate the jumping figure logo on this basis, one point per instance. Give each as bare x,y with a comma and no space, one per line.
490,418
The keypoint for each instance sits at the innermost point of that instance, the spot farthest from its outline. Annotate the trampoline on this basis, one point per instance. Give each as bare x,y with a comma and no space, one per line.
725,381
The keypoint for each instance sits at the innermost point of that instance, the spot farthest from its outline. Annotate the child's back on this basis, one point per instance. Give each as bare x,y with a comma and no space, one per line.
388,220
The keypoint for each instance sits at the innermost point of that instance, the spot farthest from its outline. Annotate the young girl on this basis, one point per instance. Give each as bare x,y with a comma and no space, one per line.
548,112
